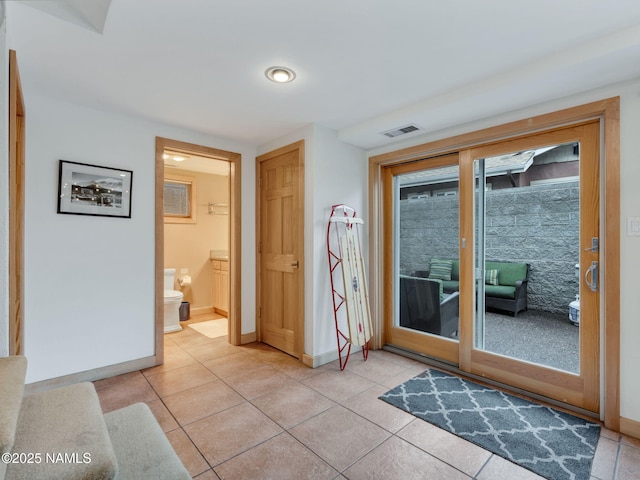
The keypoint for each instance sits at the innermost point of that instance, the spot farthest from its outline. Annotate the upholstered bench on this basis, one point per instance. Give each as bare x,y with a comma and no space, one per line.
62,434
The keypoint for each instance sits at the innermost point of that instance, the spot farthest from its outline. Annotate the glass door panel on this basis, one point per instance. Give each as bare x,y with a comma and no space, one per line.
536,212
428,267
424,197
527,251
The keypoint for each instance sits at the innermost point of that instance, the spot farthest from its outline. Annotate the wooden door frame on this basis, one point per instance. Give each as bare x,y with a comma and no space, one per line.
296,146
607,111
16,208
235,244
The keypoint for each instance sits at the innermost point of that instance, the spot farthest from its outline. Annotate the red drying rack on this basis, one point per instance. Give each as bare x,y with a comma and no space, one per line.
342,218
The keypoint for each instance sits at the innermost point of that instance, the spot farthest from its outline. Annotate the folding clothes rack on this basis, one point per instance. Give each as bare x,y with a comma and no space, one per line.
348,283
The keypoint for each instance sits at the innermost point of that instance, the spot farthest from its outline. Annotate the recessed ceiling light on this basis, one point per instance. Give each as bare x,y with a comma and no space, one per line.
174,157
280,74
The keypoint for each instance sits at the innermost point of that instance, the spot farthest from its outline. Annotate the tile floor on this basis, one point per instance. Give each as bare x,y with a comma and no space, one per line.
254,412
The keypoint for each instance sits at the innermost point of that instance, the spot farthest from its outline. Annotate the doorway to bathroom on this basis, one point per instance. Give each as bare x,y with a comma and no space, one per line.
197,229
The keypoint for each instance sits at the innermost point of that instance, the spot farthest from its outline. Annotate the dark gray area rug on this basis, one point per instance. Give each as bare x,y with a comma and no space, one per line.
551,443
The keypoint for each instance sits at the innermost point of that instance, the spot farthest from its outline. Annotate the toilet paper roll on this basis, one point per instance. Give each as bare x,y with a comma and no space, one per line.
185,281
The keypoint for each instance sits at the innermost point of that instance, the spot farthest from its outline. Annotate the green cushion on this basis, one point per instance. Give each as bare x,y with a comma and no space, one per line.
440,269
455,269
510,273
500,291
491,277
450,286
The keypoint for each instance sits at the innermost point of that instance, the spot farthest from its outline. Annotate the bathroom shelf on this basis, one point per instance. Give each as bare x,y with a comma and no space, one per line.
218,208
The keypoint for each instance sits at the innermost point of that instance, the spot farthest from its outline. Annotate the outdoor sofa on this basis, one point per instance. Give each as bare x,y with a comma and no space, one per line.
505,282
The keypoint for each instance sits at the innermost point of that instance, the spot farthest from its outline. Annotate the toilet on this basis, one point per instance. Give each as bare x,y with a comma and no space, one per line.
172,302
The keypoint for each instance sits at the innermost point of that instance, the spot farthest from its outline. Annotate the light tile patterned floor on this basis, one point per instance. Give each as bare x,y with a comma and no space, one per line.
253,412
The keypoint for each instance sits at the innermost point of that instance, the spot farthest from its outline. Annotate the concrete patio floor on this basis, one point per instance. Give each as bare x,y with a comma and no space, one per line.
548,339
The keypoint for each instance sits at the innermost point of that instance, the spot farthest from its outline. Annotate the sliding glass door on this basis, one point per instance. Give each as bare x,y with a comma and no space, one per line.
536,215
425,301
494,254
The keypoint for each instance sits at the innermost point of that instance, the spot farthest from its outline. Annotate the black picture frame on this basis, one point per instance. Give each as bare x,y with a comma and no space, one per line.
85,189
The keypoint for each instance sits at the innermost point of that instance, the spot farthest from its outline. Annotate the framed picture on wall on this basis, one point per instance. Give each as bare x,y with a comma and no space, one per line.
85,189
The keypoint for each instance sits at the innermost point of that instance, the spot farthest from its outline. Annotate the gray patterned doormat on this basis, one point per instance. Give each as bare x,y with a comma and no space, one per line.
553,444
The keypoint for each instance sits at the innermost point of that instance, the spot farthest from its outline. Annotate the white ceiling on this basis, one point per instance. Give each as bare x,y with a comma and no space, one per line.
363,66
88,14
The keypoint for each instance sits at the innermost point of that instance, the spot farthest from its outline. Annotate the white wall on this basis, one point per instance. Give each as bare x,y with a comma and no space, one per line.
629,206
89,281
335,172
629,252
4,187
339,177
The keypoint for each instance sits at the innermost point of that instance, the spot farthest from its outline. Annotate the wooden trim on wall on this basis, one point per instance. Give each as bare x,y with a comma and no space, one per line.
630,427
159,254
249,338
611,268
608,111
235,254
376,257
16,211
386,281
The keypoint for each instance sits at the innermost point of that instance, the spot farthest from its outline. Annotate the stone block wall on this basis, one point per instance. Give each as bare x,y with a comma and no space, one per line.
537,224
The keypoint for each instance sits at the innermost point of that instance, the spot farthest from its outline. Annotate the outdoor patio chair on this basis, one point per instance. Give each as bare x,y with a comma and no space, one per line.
421,307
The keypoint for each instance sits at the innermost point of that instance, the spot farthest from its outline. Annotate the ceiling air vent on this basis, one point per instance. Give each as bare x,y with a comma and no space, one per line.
396,132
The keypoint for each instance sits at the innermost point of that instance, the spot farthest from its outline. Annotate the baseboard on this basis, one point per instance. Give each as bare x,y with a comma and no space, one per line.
248,338
319,360
200,310
91,375
630,427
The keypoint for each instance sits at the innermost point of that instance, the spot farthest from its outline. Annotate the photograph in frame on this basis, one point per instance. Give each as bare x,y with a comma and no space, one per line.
85,189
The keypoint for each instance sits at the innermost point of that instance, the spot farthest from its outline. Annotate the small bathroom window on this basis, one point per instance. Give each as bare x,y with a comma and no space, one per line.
179,199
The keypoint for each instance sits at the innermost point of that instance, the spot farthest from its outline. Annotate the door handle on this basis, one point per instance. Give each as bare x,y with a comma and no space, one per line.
595,245
294,264
591,277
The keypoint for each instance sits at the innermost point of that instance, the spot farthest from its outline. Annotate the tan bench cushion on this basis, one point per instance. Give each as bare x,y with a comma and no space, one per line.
64,425
142,449
12,373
